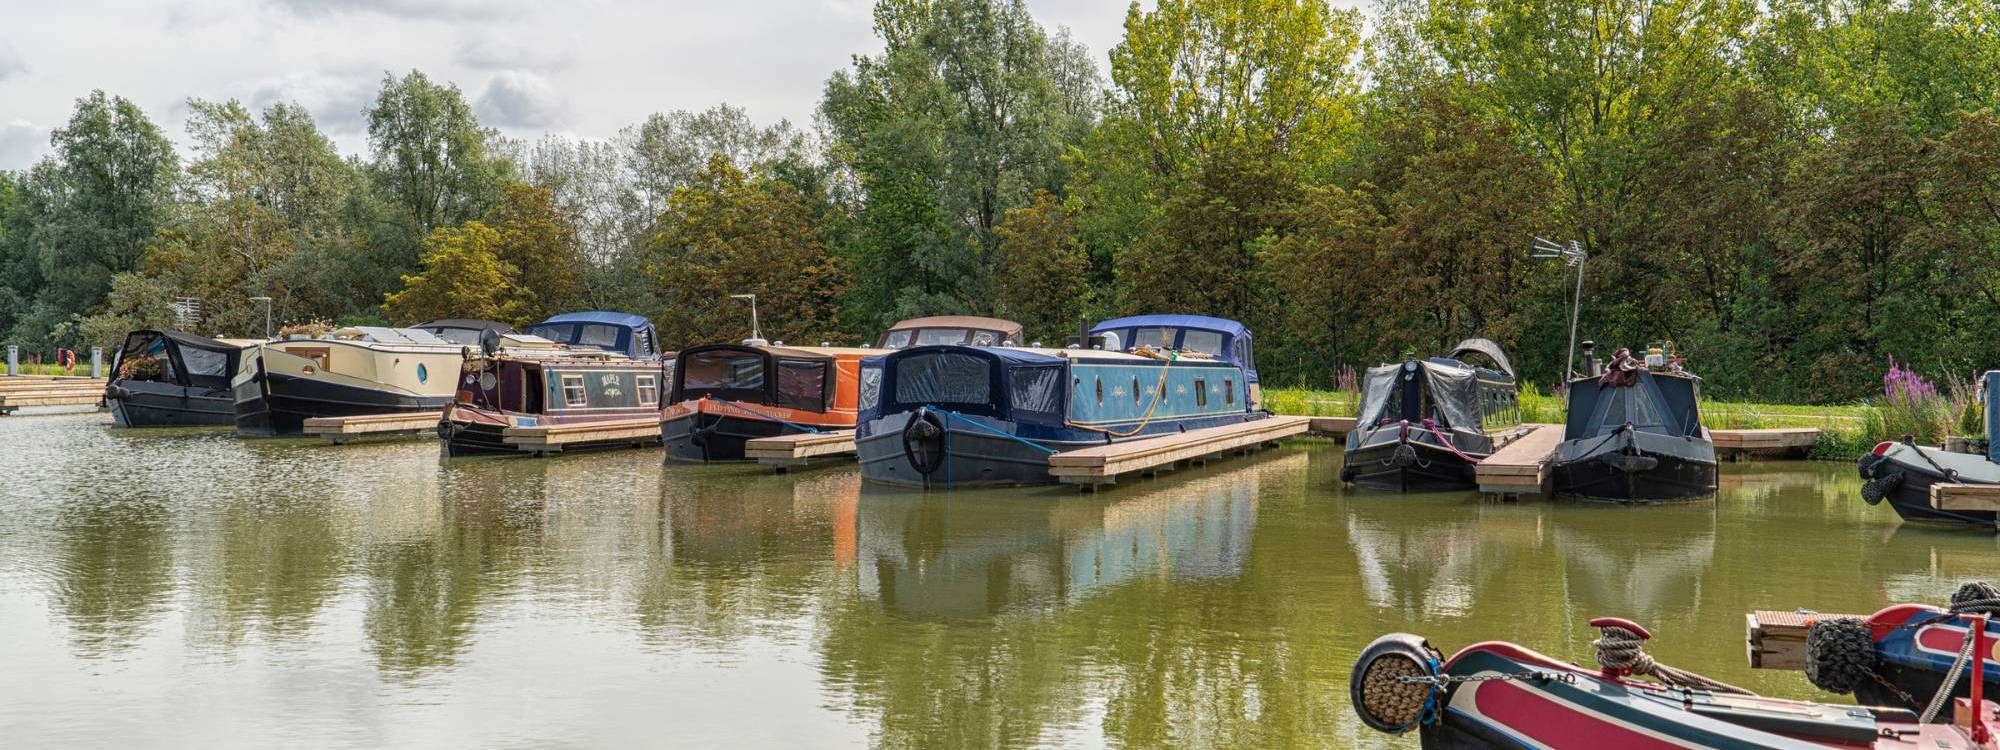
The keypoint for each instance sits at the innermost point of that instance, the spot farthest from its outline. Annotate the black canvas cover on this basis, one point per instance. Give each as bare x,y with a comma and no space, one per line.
190,359
1419,390
1035,393
1663,405
1454,396
944,377
1378,393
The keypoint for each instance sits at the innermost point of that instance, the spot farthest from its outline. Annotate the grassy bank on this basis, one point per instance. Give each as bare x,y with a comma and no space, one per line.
1846,431
82,369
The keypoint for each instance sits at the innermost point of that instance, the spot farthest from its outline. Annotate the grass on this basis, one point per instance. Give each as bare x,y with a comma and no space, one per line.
27,368
1845,431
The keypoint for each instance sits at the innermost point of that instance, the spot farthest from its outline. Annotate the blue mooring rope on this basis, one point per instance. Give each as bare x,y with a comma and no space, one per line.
982,425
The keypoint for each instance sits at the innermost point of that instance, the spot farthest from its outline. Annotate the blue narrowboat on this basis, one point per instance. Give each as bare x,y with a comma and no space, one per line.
623,333
968,415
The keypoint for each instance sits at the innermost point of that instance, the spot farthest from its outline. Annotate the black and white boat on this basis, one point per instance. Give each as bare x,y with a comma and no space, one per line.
350,372
172,378
1634,434
1425,424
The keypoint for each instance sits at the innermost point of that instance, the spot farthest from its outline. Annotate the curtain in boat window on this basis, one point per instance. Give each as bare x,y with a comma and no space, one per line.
871,386
802,384
944,378
717,370
1035,393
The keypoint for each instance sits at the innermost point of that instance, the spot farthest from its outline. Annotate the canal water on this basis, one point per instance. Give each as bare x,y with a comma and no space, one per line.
189,589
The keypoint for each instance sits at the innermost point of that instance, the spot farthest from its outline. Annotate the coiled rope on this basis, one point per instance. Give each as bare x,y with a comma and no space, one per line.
1621,650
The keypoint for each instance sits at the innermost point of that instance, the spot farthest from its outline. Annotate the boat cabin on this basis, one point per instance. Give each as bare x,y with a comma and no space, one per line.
623,333
177,358
552,382
464,331
1220,339
1452,391
805,379
962,330
1656,401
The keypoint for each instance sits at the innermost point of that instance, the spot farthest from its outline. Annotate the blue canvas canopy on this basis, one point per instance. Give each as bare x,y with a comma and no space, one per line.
1014,384
625,333
1224,339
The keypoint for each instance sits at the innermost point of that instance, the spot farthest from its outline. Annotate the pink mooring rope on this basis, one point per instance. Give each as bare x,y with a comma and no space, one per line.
1428,422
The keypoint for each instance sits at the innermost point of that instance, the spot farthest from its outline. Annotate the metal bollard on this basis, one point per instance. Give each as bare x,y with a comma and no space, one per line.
13,360
1991,392
97,361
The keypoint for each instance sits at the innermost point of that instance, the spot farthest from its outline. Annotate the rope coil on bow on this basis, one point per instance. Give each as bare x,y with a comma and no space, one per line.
1621,651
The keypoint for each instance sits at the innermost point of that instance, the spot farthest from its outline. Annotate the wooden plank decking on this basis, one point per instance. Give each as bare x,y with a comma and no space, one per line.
1766,443
1965,497
1777,640
786,451
1333,427
342,430
552,438
1102,464
1522,466
23,391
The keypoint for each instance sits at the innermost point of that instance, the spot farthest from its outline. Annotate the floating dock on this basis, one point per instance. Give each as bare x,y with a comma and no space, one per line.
1777,640
1521,468
787,451
23,391
1782,442
543,439
1965,497
1103,464
1333,427
343,430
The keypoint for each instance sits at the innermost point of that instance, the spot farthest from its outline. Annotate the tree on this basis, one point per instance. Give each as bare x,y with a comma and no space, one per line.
1041,275
430,153
1320,275
540,240
733,233
462,277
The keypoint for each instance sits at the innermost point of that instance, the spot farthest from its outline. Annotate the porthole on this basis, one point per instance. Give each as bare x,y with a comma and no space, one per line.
423,375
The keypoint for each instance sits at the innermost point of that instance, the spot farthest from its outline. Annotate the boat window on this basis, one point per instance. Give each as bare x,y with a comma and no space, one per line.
985,338
573,391
1157,338
1035,391
713,370
667,370
649,389
802,384
1200,393
871,386
1206,342
944,377
897,339
205,363
940,336
1228,391
598,335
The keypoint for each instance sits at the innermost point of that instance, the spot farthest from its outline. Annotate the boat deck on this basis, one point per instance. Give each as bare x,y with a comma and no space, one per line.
1965,497
1104,464
1333,427
1782,442
24,391
1777,640
787,451
343,430
543,439
1521,467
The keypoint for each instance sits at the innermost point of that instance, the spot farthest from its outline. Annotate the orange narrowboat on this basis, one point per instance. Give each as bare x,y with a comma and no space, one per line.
726,394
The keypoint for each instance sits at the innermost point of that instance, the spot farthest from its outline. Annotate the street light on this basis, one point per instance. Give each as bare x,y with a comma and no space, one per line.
756,333
1571,254
267,315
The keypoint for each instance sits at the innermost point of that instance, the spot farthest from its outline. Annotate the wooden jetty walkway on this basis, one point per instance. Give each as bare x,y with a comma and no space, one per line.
1103,464
1777,640
1781,442
1965,497
343,430
1521,468
1333,427
787,451
23,391
545,439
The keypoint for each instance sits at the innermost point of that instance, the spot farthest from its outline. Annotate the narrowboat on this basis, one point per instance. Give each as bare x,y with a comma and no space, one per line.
631,335
1634,434
963,330
531,382
1425,424
1502,696
1902,472
173,378
349,372
1900,655
959,415
724,395
464,331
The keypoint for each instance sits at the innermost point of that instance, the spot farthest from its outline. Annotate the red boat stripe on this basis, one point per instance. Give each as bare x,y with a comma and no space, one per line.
1946,640
1541,721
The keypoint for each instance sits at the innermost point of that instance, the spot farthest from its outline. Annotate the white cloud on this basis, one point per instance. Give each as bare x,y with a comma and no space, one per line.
12,64
21,143
522,100
451,10
494,52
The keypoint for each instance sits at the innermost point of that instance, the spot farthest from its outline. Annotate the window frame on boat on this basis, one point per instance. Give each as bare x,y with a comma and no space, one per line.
776,368
647,383
583,390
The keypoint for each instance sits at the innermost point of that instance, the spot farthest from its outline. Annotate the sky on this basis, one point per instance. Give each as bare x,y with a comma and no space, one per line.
578,67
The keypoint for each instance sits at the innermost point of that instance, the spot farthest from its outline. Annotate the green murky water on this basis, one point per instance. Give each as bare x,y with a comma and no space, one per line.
188,589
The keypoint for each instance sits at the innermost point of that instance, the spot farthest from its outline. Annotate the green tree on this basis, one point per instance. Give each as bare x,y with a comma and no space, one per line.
462,277
733,233
1041,277
431,160
539,238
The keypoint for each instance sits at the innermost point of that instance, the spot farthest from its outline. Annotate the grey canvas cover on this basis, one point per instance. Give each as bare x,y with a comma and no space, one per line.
1454,395
1378,392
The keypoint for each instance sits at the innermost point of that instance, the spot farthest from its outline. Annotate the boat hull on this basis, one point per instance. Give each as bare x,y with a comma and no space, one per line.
1388,465
148,404
709,437
989,454
1636,467
280,404
1906,485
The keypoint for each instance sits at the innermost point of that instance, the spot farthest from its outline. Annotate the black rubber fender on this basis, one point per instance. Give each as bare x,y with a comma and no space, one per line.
1874,491
924,429
1398,707
1840,654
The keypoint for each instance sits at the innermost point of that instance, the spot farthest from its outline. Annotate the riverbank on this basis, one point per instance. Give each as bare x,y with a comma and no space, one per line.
1845,431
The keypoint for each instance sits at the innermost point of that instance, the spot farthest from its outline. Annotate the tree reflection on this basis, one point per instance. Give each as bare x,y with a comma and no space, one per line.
115,570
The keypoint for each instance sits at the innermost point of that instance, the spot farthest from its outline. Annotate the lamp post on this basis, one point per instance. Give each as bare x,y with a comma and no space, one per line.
756,333
267,315
1571,254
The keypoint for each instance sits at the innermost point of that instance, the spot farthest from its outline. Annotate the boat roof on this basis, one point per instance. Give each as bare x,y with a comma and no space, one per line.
1487,348
383,335
1201,322
961,321
601,316
195,340
1027,356
469,324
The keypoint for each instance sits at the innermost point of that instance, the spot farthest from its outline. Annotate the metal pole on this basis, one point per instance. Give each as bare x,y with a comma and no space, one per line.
13,360
97,361
1575,310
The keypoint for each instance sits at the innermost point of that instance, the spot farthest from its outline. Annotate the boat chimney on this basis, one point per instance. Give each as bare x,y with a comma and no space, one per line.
1589,362
755,342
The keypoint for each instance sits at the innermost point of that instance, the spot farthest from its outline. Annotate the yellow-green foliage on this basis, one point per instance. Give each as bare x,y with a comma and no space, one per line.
462,278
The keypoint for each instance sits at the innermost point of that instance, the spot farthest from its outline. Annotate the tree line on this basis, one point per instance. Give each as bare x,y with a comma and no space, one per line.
1790,191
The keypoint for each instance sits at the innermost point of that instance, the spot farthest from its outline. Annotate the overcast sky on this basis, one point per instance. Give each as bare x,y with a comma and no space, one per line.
582,67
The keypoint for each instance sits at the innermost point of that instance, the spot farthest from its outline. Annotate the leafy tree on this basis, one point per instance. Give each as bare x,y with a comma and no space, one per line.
430,153
462,277
1040,278
733,233
1321,275
540,240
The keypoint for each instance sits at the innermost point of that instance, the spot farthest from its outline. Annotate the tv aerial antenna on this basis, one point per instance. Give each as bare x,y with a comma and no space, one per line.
1571,254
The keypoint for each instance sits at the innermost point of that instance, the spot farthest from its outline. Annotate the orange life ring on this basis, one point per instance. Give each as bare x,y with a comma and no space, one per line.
67,359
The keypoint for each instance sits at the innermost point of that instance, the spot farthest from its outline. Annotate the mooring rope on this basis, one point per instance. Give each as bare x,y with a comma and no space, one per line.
1621,650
